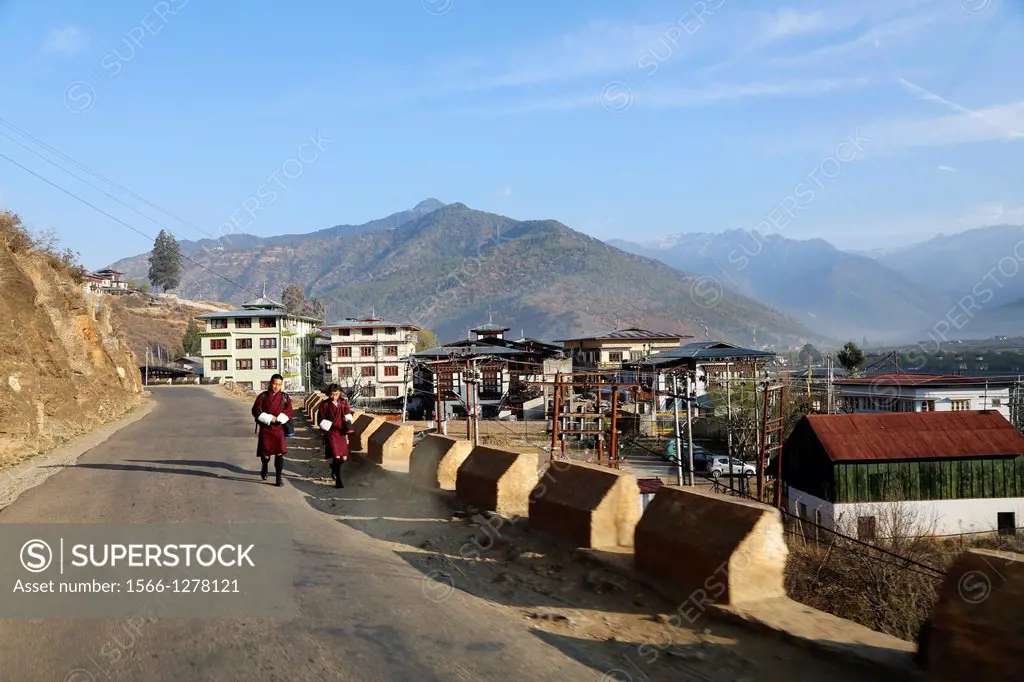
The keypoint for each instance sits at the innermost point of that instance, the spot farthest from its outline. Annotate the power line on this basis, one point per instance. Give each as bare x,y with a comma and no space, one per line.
121,222
99,176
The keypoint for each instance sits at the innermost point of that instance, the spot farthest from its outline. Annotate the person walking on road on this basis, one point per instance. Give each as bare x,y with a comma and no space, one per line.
272,410
334,418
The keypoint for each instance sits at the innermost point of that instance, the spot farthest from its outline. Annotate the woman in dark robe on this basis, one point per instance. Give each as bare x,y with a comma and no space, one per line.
271,410
335,415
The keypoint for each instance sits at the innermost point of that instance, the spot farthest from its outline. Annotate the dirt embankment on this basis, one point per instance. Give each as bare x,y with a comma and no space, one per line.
63,370
142,321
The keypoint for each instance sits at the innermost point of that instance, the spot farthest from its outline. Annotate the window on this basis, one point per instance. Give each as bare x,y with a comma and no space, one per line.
218,365
268,323
996,402
243,344
370,391
368,371
264,385
960,405
391,371
391,391
218,324
243,323
393,351
344,372
927,405
218,344
615,357
367,331
1006,522
345,352
803,512
328,356
366,351
866,527
390,331
243,364
267,343
344,332
268,363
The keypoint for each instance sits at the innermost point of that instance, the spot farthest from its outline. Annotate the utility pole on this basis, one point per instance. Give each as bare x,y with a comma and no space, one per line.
828,392
689,427
146,382
469,401
405,390
728,402
437,387
555,413
679,435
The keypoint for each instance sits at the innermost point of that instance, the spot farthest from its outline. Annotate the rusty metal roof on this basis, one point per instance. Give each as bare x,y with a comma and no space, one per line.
927,380
915,435
630,334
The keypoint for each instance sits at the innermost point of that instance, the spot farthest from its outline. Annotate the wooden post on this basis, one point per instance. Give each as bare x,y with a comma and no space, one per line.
613,441
598,411
437,386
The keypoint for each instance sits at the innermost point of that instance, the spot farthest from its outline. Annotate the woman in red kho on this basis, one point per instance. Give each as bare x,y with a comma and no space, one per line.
272,410
333,417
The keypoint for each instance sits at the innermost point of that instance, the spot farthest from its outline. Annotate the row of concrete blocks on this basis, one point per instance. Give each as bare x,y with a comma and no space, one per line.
729,551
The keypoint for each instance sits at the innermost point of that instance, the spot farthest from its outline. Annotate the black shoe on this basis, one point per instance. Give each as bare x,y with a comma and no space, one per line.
339,484
263,472
279,483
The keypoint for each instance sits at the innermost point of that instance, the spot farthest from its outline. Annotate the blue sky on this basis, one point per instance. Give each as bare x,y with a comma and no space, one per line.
627,120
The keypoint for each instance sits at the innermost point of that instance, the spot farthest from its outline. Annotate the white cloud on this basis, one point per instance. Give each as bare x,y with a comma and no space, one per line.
504,192
994,213
66,40
948,169
998,123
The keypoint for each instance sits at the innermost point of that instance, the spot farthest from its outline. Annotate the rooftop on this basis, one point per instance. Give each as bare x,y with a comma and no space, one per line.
630,334
925,380
349,322
263,303
490,327
706,350
466,350
253,313
914,435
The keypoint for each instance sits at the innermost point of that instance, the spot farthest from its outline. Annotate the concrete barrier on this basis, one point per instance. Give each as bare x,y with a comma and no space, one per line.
729,549
390,446
976,630
362,429
436,459
499,480
314,405
592,506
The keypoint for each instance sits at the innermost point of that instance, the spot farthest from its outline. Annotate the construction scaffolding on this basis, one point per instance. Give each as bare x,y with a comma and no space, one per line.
773,415
570,416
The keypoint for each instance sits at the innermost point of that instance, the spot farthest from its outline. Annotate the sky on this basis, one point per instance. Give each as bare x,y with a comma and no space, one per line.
868,124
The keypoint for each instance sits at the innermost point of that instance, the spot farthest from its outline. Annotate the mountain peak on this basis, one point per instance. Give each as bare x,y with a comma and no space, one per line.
428,205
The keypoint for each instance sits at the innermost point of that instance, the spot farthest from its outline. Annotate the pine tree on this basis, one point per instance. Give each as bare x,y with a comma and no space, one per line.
851,357
192,344
293,299
165,262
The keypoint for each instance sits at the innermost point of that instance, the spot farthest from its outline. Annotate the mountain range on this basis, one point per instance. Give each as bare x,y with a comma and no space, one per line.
965,285
449,267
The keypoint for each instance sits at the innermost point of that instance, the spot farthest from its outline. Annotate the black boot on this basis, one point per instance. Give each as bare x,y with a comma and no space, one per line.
279,467
336,473
263,471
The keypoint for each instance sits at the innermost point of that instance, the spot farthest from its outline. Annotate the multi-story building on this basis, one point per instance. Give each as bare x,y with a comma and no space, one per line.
368,356
250,345
610,349
924,393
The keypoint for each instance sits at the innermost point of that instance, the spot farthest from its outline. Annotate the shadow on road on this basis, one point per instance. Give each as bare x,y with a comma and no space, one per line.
166,470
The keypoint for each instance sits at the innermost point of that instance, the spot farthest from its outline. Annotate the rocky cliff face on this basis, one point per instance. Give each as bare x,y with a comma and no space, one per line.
63,371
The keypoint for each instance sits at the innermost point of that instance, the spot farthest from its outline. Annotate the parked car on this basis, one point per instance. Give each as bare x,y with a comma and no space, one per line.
701,458
720,466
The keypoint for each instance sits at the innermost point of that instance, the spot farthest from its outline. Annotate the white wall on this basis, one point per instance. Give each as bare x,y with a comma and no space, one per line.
980,399
924,517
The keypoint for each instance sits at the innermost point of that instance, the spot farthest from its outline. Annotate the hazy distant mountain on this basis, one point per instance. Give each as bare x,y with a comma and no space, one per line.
447,266
834,292
968,263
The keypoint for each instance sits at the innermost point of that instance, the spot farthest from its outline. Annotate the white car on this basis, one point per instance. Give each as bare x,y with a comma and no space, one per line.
719,466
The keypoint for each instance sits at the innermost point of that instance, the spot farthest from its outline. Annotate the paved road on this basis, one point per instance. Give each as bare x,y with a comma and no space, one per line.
361,611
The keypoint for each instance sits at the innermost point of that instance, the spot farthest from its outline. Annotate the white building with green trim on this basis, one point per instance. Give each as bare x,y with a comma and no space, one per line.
250,345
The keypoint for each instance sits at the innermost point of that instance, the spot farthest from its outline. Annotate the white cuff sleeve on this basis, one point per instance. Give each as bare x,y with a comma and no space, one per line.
325,425
348,419
266,418
283,418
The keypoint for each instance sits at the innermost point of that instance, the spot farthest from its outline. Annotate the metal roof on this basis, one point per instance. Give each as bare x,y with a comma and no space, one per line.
629,334
490,327
262,302
915,435
349,323
926,380
460,351
253,313
705,350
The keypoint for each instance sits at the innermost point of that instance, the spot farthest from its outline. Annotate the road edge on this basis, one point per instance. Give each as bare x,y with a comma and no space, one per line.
17,480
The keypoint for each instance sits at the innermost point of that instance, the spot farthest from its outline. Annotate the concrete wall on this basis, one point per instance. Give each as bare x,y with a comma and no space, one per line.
390,446
926,517
976,631
499,480
436,459
362,428
729,549
589,505
313,404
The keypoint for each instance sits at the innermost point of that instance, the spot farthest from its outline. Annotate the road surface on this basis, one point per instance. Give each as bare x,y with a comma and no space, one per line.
362,613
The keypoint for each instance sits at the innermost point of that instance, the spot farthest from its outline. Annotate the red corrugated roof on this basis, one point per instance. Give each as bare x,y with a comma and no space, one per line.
920,380
916,435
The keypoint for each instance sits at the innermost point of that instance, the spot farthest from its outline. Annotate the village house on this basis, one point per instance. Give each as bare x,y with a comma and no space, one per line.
897,474
105,281
923,393
710,363
250,345
610,349
367,357
503,367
